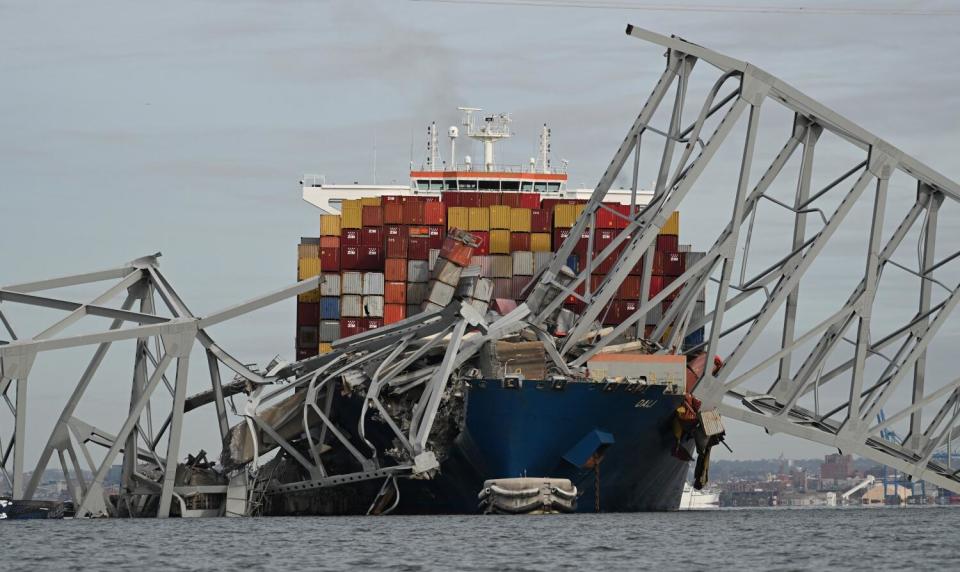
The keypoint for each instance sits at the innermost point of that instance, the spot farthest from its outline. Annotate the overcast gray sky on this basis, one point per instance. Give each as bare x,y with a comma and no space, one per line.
183,127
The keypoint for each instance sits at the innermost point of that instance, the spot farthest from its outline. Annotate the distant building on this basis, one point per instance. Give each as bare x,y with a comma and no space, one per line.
836,467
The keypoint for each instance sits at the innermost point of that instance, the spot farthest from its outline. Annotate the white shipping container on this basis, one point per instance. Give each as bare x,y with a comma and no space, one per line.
330,285
329,330
522,263
440,293
541,260
447,272
351,283
431,307
413,309
484,263
501,266
373,284
480,306
483,290
466,285
418,271
373,306
434,255
351,306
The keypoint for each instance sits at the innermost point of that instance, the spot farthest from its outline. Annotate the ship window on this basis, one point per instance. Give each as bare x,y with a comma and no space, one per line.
423,184
489,185
540,187
553,187
436,185
510,185
468,185
450,185
526,186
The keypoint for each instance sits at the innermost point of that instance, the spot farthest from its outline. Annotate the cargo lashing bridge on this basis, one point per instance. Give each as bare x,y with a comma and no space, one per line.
838,361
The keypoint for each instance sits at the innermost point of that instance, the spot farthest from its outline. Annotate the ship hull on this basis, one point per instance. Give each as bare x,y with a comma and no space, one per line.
539,430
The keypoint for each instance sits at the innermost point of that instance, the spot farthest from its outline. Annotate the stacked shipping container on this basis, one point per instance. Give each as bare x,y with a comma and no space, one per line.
377,258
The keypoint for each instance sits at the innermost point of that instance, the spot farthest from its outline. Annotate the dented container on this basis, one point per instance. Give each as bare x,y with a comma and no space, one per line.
482,289
329,225
540,242
447,272
522,263
418,271
351,283
373,284
440,293
482,238
325,347
499,241
456,252
395,269
351,306
373,306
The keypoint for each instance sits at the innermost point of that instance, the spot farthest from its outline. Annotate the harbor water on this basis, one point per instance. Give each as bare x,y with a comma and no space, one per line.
749,539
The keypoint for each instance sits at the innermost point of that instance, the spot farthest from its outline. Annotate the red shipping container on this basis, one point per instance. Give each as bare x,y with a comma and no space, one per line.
629,288
511,200
436,235
574,305
470,199
605,218
308,313
418,231
371,236
386,199
394,230
658,263
519,285
413,212
393,213
397,246
426,200
602,239
658,283
350,327
561,234
489,199
541,220
349,258
450,198
329,242
482,237
418,248
456,252
674,263
394,313
435,213
371,258
372,216
395,270
371,323
395,293
668,243
624,210
519,241
350,237
529,200
330,258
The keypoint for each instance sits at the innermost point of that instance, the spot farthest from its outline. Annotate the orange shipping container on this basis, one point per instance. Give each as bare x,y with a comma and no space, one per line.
395,292
394,313
435,213
395,270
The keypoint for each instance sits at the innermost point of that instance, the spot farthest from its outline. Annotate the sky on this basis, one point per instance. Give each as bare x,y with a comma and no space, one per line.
184,127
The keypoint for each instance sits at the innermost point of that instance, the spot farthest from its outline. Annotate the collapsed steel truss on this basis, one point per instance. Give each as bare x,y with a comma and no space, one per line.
774,403
394,357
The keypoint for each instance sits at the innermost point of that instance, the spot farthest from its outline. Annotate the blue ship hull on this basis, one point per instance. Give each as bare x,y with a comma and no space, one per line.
538,430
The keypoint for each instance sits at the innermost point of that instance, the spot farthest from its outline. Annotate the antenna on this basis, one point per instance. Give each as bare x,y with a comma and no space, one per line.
433,148
545,148
494,128
453,133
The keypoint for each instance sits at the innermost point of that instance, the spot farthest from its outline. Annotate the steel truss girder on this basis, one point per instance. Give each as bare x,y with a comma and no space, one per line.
773,393
136,440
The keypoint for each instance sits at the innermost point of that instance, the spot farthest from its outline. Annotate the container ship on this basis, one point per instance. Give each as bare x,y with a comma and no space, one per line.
379,248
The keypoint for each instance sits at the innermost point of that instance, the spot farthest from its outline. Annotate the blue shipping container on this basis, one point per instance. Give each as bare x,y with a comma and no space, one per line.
694,339
330,308
573,263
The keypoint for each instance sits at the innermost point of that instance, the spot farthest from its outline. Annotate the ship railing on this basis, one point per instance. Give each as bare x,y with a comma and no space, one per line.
496,167
313,180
